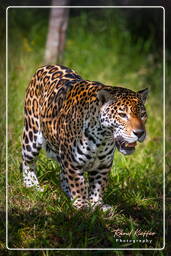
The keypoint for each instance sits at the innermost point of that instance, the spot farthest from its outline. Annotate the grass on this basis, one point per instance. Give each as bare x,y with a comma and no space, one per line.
106,53
2,139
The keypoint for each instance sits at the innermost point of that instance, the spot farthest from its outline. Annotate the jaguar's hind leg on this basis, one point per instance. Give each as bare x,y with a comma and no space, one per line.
32,143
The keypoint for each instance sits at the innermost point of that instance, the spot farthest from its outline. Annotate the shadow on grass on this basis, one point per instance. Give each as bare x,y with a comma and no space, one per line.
2,229
33,229
37,228
144,218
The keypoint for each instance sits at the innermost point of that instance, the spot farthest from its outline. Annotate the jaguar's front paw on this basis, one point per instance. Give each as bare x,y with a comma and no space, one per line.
100,205
105,207
80,204
35,187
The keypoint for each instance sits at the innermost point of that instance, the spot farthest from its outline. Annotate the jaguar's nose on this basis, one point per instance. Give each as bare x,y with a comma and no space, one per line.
139,133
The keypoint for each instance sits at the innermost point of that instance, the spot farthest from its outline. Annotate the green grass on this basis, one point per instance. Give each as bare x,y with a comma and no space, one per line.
2,139
107,53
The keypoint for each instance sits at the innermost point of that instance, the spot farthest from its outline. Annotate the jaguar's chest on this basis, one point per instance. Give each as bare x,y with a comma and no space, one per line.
93,150
87,152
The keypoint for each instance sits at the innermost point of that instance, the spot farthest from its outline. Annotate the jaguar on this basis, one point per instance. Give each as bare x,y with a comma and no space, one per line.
79,123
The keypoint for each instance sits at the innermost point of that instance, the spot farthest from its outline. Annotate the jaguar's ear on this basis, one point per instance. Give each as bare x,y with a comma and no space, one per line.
143,94
105,95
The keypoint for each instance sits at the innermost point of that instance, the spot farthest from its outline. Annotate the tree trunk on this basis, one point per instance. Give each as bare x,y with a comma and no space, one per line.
58,22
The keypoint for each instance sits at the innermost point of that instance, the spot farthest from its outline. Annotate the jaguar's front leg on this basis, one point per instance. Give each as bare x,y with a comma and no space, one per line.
97,186
77,187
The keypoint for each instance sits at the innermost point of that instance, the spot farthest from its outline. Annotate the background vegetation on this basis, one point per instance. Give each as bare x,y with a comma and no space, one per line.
99,47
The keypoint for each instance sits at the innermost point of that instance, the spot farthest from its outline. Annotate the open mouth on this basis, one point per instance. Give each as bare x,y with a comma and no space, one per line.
125,147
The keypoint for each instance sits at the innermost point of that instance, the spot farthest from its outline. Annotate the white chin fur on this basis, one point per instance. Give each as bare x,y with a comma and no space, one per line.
126,152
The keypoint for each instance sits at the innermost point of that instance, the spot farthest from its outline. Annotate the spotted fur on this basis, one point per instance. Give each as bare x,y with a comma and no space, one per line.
79,123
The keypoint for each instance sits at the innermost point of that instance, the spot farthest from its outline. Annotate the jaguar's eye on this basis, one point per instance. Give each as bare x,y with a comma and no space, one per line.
123,115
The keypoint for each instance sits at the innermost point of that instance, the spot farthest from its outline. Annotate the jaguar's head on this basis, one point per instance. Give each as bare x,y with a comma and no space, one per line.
124,113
